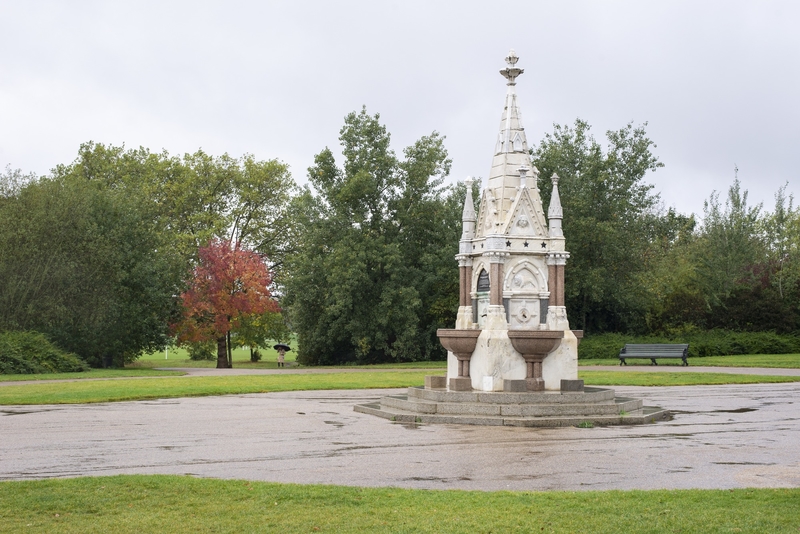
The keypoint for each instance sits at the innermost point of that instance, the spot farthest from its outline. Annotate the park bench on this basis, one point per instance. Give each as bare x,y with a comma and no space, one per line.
652,352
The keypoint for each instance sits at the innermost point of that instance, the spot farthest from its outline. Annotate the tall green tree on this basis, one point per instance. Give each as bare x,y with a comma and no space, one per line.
86,265
200,197
781,230
609,212
374,275
732,244
746,264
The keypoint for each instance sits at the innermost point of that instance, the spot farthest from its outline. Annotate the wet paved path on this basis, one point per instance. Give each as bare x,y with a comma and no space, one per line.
721,437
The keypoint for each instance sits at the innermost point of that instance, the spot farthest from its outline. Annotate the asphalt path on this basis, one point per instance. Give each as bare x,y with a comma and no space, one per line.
720,437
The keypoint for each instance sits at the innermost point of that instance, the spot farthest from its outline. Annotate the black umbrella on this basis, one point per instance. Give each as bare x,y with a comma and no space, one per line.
283,346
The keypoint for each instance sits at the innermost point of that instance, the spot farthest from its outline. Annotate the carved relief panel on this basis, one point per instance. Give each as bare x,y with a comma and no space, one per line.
525,283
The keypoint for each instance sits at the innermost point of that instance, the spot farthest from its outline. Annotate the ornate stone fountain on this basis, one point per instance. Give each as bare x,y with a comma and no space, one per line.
512,358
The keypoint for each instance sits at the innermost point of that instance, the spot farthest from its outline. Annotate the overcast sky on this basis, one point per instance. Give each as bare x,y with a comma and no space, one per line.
717,82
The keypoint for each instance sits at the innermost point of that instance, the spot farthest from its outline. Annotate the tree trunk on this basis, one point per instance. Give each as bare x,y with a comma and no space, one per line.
230,352
222,353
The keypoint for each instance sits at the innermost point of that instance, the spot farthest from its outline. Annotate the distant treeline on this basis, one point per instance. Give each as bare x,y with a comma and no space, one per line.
96,254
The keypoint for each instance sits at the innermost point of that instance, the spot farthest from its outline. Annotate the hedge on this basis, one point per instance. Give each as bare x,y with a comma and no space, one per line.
708,343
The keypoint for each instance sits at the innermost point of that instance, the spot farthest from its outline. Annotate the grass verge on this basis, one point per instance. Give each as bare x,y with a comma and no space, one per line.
158,503
162,388
94,373
775,361
80,392
245,363
663,378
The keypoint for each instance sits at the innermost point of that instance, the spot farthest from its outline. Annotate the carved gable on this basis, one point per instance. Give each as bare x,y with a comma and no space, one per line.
524,219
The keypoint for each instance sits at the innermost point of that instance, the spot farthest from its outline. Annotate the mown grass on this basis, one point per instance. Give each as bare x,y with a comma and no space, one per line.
162,388
785,361
178,354
241,360
94,373
175,504
665,378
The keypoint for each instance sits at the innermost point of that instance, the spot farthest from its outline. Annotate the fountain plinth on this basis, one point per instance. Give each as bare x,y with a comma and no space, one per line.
462,344
535,345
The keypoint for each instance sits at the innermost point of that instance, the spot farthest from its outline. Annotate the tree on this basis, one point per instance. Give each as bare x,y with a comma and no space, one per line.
609,215
200,197
781,230
746,264
674,296
86,265
255,332
732,244
374,274
229,284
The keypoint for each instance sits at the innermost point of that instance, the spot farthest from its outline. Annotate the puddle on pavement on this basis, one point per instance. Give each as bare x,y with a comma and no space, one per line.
744,463
23,412
334,423
688,412
437,479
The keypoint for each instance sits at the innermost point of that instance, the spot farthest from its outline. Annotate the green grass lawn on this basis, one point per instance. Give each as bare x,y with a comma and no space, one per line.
175,504
662,378
178,355
785,361
94,373
160,388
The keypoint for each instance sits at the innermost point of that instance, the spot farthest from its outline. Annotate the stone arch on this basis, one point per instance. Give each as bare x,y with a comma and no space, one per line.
477,268
484,283
525,278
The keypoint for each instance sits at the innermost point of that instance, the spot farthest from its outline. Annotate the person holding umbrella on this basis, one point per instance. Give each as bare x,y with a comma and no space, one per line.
282,349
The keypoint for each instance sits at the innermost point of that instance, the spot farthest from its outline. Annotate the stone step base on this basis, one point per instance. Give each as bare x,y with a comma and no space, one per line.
589,395
645,415
595,406
613,407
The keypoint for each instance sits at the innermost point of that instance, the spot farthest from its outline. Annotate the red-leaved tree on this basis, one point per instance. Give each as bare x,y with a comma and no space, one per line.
228,284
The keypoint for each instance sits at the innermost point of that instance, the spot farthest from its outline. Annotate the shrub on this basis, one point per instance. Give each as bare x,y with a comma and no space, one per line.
201,350
701,343
31,353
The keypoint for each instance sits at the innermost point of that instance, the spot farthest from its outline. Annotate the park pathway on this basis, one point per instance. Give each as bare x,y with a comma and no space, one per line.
720,437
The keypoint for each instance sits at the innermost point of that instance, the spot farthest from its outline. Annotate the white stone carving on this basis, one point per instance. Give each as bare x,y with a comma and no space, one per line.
511,230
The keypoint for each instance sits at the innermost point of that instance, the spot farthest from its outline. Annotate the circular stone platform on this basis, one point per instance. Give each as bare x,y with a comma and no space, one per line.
593,406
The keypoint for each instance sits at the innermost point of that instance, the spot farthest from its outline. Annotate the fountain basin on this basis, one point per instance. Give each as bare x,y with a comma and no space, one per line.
535,341
461,343
534,345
